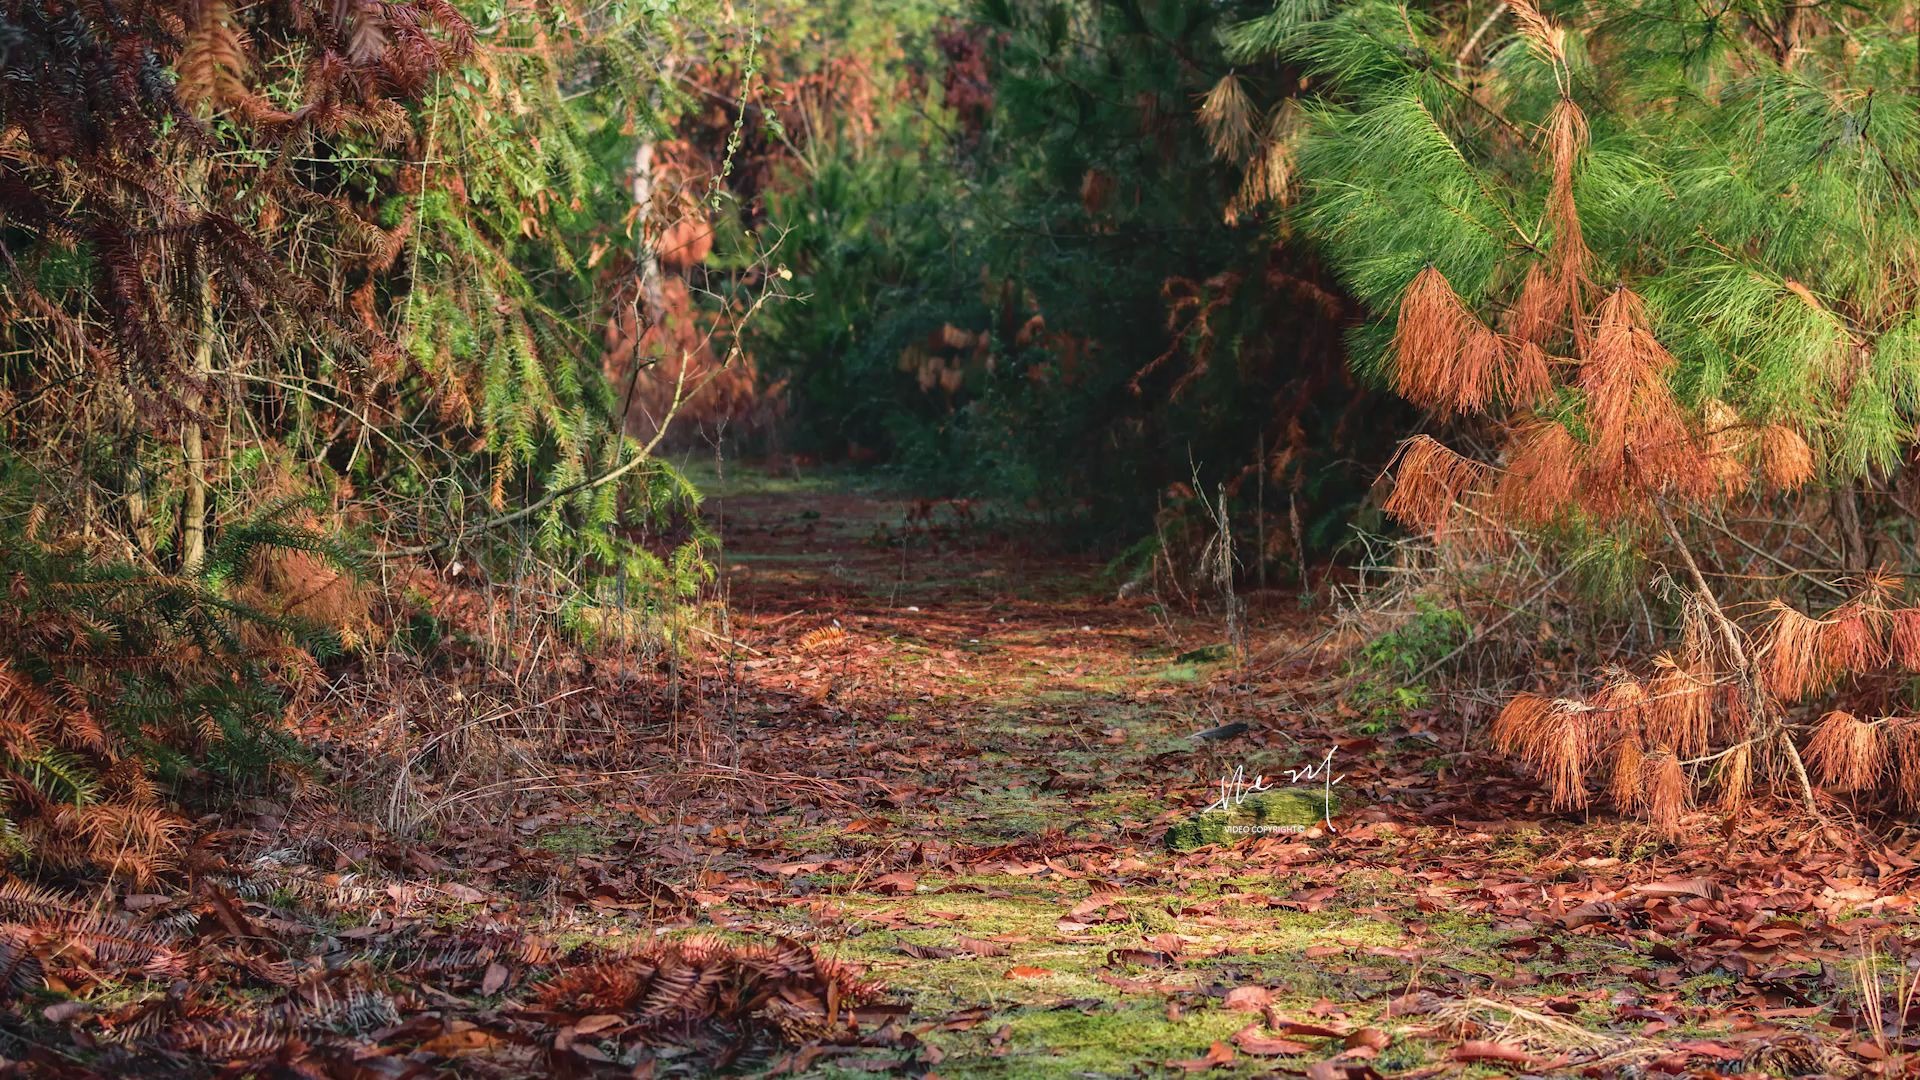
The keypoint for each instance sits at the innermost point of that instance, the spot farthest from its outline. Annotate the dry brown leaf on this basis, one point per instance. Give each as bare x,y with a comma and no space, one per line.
1248,998
1219,1054
1484,1050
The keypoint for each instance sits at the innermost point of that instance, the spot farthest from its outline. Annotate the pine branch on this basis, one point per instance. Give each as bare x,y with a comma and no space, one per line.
1757,701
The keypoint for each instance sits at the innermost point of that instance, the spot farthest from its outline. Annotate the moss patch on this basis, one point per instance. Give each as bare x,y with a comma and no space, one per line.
1266,811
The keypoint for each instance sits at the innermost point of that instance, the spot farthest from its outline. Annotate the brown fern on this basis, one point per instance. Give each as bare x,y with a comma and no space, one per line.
680,987
822,639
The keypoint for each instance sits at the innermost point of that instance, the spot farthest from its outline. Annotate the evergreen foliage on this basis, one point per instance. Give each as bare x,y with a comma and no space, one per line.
285,290
1022,285
1662,257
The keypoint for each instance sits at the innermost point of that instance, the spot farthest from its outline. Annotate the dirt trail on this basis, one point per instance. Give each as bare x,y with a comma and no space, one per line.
925,747
1006,744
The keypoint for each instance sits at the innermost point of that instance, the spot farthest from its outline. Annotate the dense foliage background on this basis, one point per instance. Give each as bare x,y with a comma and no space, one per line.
292,292
1037,280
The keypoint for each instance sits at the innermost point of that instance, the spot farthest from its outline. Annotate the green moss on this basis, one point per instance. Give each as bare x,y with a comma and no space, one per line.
1279,810
580,839
1206,654
1112,1040
1178,673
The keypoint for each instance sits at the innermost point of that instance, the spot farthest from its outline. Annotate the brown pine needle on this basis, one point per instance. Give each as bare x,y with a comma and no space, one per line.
1668,793
1728,445
1735,777
1638,430
1786,461
1446,359
1795,662
1226,116
1562,756
1566,138
1737,720
1518,728
1853,637
1847,752
1626,787
1903,638
1529,381
1429,481
1679,709
1542,473
1621,705
1541,308
1546,39
1903,736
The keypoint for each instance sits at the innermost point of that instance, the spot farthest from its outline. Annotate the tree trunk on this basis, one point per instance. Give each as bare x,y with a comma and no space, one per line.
193,526
646,258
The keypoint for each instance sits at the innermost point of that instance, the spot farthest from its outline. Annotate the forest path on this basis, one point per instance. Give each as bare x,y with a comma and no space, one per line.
1004,743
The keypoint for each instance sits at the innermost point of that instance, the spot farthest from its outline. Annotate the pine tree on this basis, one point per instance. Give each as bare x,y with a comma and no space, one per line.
280,284
1663,259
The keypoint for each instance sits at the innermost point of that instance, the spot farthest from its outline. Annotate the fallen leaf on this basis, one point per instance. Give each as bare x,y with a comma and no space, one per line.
896,884
1341,1070
978,947
466,894
1022,971
494,978
1366,1043
1482,1050
1142,957
1301,1027
464,1040
1370,1037
1248,998
1586,914
62,1011
1217,1055
1251,1040
1693,886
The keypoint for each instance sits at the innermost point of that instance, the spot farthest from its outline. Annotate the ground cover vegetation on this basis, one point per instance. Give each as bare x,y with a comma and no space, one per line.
1124,537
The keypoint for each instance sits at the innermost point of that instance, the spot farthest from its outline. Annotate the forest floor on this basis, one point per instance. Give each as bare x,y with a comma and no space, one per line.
1021,741
941,754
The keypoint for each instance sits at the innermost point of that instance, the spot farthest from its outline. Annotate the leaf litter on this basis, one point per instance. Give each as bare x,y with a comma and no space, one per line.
914,826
